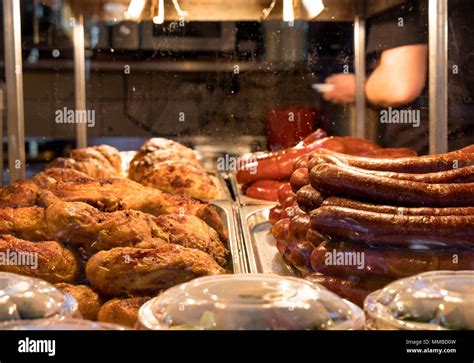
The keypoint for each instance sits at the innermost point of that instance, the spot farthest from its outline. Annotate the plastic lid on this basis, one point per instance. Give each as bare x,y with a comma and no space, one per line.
24,297
250,302
59,324
434,300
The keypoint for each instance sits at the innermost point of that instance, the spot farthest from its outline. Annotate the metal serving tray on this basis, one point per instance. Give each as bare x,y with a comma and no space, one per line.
260,246
241,198
228,213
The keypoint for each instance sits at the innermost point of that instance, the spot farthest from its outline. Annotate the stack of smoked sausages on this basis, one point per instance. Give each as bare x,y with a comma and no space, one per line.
361,222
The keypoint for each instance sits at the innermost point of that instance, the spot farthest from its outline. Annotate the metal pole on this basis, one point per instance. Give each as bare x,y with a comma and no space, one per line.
358,127
80,79
1,135
438,73
14,89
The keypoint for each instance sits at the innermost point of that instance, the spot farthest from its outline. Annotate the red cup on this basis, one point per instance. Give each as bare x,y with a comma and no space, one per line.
288,126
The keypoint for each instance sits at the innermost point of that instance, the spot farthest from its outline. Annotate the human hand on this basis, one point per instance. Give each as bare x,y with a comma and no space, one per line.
344,88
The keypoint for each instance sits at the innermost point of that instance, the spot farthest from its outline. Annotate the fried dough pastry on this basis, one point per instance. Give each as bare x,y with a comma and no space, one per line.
81,224
102,161
142,162
48,260
127,271
122,194
88,300
27,223
122,311
111,195
171,167
23,193
179,177
192,232
158,143
51,176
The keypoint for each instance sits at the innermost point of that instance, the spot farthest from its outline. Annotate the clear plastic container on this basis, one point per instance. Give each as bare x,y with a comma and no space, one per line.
249,302
23,297
436,300
59,324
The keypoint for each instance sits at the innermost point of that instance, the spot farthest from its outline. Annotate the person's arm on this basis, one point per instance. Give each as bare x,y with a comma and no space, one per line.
400,77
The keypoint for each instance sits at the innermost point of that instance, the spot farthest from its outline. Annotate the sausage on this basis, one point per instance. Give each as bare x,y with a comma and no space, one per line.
415,165
284,192
298,227
299,254
308,198
264,189
348,259
350,182
459,175
353,289
389,229
353,204
289,202
314,136
299,179
280,229
390,153
315,237
279,165
301,162
275,214
290,212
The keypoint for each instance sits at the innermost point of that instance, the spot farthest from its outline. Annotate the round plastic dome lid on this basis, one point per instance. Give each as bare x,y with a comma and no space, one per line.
434,300
23,297
59,324
249,302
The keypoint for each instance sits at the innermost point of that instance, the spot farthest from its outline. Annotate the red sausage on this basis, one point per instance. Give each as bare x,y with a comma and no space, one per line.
264,189
275,214
284,191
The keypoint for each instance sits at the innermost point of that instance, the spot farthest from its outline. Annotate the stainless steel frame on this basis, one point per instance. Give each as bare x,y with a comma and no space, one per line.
80,79
438,73
1,134
14,89
358,127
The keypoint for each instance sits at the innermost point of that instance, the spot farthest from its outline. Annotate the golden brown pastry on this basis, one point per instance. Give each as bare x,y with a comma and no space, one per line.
158,143
192,232
112,195
180,177
88,300
96,161
122,311
51,176
81,224
127,271
27,223
171,167
23,193
144,161
49,260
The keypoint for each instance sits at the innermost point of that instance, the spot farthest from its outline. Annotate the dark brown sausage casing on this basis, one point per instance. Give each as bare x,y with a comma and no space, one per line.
298,227
353,289
349,259
350,182
415,165
308,198
299,179
390,229
354,204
